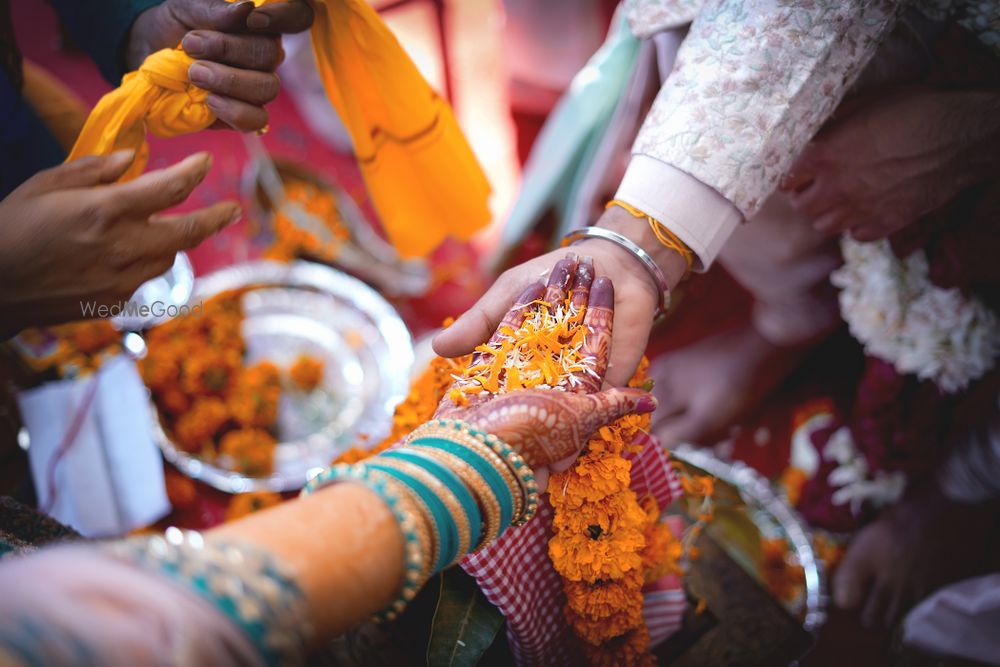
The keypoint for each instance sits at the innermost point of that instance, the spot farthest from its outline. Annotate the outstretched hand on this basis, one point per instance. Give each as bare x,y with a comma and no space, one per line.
549,427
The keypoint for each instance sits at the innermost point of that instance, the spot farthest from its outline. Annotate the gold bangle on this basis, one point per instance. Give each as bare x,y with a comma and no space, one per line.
489,506
439,489
427,530
466,439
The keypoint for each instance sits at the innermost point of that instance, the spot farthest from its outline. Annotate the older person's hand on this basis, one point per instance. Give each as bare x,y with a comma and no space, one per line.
549,427
237,47
895,158
65,242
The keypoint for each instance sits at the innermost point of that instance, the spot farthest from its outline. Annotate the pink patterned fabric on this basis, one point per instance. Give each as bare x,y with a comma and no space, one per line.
516,575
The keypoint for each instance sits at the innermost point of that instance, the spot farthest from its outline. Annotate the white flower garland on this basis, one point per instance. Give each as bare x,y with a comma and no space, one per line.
899,316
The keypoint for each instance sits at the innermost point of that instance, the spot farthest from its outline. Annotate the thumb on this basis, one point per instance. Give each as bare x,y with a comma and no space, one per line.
83,172
611,404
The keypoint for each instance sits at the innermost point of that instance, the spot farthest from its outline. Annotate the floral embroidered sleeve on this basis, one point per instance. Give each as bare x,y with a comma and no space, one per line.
752,83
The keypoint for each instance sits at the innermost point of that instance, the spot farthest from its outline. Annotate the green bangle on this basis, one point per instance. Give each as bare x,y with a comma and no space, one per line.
451,480
482,466
439,512
414,551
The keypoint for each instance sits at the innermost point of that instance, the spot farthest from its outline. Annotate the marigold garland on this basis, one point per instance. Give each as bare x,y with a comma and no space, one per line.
608,543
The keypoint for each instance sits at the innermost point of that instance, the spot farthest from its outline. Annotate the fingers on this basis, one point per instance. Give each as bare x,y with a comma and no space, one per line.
515,316
599,323
282,17
244,85
878,601
852,577
560,280
213,14
156,190
685,428
478,324
582,281
513,319
607,406
831,222
803,170
814,200
238,115
84,172
165,235
255,52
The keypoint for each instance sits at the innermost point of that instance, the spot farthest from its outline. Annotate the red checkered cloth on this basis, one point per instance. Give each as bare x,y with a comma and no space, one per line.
517,577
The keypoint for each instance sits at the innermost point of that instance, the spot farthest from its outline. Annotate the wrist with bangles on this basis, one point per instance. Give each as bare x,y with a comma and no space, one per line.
467,486
663,235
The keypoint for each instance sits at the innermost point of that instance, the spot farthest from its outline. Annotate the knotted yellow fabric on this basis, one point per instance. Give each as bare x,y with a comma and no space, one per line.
157,98
421,173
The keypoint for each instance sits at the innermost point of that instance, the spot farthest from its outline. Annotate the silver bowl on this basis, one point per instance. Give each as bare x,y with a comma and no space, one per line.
310,308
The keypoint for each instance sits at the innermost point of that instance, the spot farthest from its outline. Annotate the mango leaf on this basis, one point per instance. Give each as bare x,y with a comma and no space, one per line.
465,623
734,529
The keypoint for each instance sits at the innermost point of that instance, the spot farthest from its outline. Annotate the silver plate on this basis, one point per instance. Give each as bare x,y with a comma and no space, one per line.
771,514
309,308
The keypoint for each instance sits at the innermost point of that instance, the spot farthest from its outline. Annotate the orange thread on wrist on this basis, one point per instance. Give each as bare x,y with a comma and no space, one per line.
662,233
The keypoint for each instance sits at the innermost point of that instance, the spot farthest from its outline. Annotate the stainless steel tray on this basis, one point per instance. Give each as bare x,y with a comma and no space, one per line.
309,308
774,517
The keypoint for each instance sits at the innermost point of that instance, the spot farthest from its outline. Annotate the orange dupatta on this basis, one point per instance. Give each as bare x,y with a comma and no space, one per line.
420,172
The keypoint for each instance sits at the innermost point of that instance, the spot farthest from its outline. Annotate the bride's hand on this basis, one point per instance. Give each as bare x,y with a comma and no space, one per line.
551,426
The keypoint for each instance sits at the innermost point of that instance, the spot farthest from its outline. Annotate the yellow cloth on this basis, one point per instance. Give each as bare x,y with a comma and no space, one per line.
421,173
157,98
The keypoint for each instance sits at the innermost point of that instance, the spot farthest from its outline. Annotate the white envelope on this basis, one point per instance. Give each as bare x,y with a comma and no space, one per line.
109,479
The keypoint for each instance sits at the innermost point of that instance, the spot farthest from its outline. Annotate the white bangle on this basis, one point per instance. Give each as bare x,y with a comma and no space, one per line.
624,242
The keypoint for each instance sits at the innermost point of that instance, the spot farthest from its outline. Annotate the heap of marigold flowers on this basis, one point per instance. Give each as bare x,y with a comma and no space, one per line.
291,241
211,403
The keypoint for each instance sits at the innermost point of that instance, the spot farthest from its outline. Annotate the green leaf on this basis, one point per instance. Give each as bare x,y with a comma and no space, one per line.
465,623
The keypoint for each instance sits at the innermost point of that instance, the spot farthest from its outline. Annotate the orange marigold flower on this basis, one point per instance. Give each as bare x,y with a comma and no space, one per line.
628,650
200,423
243,504
249,450
581,557
605,597
181,490
210,372
792,480
161,369
306,372
173,401
698,485
254,401
605,516
783,577
595,476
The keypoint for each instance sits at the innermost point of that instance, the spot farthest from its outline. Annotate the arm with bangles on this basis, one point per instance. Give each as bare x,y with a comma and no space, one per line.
728,122
269,588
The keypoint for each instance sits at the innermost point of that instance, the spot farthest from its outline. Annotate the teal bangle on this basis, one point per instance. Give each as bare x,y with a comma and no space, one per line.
451,480
521,470
439,512
482,466
414,550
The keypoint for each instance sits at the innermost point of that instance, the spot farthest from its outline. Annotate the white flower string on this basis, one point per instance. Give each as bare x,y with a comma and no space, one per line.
899,316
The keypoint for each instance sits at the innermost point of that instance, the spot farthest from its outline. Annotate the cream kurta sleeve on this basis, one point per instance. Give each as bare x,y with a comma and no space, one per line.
753,82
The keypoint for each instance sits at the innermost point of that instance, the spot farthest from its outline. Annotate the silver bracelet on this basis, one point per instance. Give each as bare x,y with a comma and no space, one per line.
644,258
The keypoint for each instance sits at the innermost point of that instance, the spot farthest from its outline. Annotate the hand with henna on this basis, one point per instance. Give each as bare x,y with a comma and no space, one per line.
549,427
